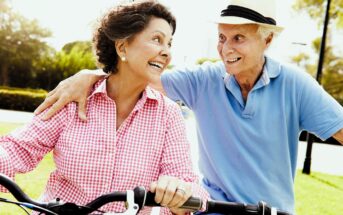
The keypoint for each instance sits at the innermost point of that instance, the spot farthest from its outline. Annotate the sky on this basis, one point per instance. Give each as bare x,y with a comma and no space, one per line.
195,36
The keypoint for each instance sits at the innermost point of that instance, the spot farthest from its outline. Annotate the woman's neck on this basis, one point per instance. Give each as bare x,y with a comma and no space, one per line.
124,87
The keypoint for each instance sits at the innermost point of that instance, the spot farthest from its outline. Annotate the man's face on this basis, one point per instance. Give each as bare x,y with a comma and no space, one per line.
240,47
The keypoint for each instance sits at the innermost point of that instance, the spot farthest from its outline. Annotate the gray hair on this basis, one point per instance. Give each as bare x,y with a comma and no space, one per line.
265,31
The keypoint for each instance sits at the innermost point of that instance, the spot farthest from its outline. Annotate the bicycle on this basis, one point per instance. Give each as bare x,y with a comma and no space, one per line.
135,200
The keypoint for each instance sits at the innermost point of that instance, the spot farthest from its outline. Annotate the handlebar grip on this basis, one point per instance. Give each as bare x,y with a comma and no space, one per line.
230,207
17,192
234,208
193,203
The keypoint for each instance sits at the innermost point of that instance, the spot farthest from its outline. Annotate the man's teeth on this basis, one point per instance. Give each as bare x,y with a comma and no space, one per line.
232,60
156,64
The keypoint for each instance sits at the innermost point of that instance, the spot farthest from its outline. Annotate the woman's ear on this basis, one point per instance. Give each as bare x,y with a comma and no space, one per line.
120,48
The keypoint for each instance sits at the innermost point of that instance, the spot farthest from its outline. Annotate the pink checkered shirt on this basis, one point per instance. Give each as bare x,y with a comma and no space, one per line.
92,158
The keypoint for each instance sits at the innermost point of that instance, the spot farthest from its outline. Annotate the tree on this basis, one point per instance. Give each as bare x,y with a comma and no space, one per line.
203,60
332,78
21,42
73,57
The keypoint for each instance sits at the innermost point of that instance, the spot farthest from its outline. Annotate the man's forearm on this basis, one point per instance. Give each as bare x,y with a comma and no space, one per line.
96,74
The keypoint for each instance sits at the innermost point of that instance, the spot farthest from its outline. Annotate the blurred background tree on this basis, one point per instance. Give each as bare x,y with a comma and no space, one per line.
332,74
27,61
73,57
21,43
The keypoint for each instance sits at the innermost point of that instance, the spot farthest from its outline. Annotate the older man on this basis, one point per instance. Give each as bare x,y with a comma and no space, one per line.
249,109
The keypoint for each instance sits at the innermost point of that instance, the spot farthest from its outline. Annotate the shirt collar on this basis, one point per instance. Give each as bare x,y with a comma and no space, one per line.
100,88
271,69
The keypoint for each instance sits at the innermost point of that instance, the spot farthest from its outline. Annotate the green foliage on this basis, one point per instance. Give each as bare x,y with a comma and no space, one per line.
27,61
316,10
82,46
73,57
332,71
170,66
21,99
21,43
203,60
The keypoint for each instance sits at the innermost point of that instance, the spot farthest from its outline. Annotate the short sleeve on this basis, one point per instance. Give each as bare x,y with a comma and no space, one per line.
187,84
320,113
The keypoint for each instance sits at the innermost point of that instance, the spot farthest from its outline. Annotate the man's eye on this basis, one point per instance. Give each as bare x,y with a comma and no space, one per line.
221,38
238,37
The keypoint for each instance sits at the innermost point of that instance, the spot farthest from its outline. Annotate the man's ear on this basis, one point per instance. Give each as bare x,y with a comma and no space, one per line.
269,39
120,48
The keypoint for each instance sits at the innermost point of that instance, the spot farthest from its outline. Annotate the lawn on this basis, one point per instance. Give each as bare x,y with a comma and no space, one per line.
316,194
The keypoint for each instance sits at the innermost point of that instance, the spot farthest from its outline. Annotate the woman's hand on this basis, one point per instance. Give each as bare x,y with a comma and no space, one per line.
171,192
73,89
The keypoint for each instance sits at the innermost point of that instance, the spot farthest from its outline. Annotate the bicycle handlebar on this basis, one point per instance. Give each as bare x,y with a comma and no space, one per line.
136,200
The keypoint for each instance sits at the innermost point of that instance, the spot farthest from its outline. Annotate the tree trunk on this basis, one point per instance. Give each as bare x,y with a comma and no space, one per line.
4,74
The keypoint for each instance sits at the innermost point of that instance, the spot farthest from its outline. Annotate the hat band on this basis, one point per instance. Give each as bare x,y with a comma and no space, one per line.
243,12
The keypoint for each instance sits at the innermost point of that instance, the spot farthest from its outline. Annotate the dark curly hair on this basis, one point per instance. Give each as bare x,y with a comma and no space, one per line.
123,22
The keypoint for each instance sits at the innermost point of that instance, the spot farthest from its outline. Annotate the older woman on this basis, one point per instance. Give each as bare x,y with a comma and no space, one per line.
249,109
134,135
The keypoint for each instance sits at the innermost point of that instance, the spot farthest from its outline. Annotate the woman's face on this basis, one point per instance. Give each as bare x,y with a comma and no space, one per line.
241,48
148,52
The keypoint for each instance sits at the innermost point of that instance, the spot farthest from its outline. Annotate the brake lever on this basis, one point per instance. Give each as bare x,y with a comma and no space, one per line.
265,209
132,207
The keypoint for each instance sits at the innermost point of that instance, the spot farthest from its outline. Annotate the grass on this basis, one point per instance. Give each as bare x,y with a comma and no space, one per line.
316,194
32,183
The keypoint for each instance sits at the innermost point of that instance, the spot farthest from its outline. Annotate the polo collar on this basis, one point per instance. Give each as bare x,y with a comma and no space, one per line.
271,70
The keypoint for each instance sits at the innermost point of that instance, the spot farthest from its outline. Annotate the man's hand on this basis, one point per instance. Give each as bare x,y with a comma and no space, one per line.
339,136
171,192
74,89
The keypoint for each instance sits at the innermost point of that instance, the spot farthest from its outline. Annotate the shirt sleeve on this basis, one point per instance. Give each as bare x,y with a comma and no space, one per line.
186,84
176,160
320,113
24,148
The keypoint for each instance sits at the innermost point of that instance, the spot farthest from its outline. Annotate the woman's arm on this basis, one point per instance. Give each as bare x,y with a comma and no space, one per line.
24,148
176,161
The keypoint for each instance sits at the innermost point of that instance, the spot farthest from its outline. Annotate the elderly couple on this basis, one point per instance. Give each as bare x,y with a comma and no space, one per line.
121,132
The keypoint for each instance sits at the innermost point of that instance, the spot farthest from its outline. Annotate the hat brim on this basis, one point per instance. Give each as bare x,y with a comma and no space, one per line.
234,20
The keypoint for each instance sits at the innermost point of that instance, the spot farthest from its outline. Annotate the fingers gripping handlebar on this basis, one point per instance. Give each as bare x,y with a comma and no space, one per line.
136,200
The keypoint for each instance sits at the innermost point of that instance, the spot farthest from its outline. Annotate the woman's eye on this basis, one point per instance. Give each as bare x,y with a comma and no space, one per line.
156,39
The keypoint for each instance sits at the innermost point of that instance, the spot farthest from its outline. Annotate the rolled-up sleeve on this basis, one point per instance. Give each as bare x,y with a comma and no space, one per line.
24,148
176,160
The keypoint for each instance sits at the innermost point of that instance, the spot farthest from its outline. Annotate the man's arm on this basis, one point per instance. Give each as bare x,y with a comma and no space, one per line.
76,89
339,136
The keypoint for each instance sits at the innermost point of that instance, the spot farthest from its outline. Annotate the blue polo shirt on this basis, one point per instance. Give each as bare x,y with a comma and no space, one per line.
248,151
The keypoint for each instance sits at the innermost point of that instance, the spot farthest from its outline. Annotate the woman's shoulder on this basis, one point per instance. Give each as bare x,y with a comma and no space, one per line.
161,98
163,102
